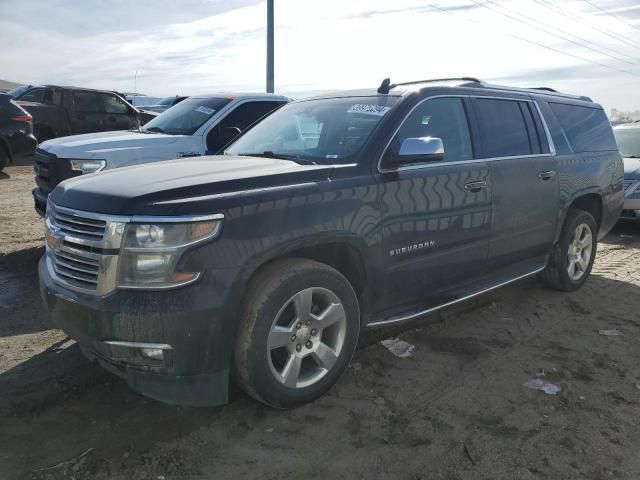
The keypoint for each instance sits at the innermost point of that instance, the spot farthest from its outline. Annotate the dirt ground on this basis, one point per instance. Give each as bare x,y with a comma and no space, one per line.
456,409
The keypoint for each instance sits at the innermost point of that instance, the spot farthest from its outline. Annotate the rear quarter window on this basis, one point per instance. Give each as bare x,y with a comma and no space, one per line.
587,129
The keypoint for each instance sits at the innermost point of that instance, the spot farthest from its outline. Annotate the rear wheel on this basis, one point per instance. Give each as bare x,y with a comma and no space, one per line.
298,333
573,256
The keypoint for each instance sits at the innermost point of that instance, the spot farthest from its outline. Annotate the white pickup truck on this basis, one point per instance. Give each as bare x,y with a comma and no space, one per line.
200,125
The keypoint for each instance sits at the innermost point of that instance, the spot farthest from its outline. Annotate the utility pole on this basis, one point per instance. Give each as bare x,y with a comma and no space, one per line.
270,80
135,82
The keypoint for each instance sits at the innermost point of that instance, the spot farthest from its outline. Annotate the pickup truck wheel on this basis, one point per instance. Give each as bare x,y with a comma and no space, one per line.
298,333
4,158
573,256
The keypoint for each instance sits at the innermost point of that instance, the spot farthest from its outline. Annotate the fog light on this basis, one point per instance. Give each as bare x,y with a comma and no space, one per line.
152,353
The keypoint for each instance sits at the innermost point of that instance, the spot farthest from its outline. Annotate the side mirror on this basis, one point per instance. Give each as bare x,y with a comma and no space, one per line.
421,149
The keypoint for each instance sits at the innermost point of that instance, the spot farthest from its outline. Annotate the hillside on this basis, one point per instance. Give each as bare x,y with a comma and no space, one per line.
7,85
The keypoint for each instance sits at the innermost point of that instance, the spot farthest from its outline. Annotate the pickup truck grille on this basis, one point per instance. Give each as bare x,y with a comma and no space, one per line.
629,185
51,170
78,226
76,270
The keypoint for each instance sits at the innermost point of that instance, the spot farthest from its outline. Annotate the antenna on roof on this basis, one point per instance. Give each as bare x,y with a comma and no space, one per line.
385,86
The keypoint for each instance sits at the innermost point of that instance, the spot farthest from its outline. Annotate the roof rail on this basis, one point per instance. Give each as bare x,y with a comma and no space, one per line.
546,89
386,84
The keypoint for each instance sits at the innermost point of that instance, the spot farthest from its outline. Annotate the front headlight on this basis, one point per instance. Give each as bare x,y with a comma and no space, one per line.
88,166
151,252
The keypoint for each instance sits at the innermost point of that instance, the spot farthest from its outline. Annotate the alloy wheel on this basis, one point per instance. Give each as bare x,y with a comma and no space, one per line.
579,252
306,337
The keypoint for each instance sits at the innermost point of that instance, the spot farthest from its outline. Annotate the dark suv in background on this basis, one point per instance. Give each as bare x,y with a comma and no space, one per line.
16,131
61,111
333,215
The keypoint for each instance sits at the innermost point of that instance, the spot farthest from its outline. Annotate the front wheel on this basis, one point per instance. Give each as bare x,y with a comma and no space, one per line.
298,333
573,256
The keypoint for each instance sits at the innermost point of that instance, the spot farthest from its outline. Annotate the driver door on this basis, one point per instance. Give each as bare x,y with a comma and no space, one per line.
436,211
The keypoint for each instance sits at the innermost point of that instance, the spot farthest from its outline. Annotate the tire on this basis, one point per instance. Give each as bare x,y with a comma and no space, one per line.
277,339
4,158
563,260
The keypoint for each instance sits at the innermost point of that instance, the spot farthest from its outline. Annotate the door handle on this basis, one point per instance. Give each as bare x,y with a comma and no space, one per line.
476,187
548,175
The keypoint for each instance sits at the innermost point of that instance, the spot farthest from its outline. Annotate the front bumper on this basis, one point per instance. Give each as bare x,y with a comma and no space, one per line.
191,320
39,201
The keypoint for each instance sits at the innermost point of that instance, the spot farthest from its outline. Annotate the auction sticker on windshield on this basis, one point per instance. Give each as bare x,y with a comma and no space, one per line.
377,110
206,110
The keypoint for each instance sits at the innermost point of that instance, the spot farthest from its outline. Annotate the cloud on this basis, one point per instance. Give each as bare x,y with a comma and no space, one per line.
199,46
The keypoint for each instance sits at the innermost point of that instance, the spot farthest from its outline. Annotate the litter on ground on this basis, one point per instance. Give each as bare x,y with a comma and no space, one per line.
399,348
539,384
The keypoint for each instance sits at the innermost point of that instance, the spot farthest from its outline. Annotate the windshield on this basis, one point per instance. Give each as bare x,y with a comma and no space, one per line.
187,116
628,142
323,130
166,101
16,92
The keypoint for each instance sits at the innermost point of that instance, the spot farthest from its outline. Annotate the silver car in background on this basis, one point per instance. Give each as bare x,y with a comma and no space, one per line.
628,138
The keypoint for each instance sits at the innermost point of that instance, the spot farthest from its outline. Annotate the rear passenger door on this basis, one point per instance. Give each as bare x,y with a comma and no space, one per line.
236,122
87,116
524,184
436,215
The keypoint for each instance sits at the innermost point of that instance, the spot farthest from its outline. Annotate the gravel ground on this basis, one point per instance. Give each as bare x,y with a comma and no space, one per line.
456,409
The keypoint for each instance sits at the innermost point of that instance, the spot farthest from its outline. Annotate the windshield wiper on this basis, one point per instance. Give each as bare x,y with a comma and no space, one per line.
154,129
631,156
281,156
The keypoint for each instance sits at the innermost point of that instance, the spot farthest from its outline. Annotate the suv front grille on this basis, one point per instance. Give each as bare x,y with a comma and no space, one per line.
76,270
78,226
82,248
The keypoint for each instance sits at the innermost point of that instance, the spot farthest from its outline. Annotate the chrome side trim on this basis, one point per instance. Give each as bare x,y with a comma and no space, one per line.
175,219
397,319
159,346
475,160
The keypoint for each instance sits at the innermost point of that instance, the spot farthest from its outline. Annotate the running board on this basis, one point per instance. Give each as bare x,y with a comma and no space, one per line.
404,318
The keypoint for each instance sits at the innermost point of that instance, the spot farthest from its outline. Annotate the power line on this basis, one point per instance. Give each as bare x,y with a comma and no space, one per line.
612,15
547,47
582,42
587,23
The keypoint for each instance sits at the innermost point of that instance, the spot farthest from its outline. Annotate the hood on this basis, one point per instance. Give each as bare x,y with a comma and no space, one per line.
631,168
92,145
184,186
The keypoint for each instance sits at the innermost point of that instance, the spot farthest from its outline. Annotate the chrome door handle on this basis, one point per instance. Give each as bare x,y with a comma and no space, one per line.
548,175
476,186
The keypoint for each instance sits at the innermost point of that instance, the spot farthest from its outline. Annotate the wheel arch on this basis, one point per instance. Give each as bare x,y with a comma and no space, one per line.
589,201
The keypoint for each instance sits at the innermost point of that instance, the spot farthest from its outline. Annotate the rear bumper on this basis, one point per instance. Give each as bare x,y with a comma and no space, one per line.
190,321
23,144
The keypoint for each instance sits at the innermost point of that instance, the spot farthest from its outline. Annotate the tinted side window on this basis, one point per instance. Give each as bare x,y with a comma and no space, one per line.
503,129
237,121
85,101
113,104
560,141
34,95
444,118
587,129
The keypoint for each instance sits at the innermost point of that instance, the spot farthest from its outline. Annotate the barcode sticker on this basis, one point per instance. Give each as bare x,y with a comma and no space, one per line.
377,110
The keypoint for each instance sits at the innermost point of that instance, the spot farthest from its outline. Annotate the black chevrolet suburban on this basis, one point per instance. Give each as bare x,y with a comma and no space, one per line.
334,215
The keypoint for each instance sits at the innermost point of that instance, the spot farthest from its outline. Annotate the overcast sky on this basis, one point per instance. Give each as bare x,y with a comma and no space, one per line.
200,46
